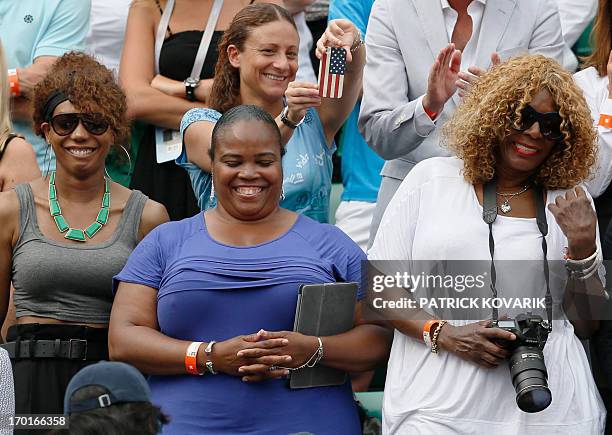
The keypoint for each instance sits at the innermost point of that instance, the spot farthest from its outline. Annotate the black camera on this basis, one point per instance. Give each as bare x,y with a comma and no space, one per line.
527,367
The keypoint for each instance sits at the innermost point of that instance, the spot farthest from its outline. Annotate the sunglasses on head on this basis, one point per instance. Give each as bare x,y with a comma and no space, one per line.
65,123
549,123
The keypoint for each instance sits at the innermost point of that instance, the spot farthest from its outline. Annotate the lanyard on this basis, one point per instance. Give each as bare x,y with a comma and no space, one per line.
204,43
489,214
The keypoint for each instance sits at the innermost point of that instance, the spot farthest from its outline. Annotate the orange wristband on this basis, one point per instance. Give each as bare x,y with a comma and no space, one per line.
14,82
191,362
605,121
428,328
432,115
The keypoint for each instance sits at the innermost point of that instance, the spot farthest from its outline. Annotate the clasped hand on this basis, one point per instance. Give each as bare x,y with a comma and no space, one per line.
264,355
445,77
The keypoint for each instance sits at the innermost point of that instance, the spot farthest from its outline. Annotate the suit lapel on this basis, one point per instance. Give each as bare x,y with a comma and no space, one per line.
432,23
495,20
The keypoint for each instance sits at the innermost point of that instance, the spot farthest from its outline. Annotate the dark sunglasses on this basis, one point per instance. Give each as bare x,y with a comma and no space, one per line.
65,123
549,123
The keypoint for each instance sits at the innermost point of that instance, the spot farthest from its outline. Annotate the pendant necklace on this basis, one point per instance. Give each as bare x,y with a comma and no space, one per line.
505,206
77,234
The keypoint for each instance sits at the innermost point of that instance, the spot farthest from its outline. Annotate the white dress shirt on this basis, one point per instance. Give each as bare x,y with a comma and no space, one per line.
475,11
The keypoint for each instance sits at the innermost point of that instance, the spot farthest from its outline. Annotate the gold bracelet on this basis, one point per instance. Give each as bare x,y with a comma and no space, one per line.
434,339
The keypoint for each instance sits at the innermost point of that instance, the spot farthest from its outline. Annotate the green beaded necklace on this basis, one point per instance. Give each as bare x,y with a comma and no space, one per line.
77,234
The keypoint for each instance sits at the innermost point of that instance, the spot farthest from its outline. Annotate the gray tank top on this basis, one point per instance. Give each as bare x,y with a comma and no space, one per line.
67,281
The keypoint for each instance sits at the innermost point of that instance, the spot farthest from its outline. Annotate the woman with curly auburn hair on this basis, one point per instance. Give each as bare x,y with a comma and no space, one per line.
64,236
525,142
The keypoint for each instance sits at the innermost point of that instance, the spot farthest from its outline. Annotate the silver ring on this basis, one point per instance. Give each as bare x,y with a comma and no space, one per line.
272,368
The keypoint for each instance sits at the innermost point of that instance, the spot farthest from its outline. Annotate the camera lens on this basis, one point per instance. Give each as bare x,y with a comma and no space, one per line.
530,379
534,399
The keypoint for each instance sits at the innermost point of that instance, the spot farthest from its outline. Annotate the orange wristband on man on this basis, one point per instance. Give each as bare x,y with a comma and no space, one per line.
14,82
432,115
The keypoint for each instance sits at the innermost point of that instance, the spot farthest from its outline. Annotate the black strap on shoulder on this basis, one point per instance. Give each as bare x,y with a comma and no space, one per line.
489,214
543,227
9,138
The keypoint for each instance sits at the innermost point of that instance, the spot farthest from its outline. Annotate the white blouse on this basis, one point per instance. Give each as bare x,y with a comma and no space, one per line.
435,215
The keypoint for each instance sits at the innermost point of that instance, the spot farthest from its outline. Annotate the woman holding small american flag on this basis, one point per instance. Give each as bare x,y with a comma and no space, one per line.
257,65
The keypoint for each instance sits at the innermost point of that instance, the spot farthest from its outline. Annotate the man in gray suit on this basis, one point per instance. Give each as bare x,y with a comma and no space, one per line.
415,52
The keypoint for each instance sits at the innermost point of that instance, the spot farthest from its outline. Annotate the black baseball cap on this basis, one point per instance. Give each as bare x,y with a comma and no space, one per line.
122,382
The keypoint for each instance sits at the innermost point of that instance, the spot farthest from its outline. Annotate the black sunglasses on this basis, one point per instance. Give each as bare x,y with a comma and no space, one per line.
549,123
65,123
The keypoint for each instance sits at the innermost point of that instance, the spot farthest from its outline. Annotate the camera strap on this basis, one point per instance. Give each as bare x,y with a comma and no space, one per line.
489,214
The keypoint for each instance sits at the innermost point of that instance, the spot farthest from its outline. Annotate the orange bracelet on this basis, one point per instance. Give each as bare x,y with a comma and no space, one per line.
605,121
14,82
427,330
191,362
432,115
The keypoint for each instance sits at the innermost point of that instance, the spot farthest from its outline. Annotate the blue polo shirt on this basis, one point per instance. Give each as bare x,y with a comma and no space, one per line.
33,28
360,165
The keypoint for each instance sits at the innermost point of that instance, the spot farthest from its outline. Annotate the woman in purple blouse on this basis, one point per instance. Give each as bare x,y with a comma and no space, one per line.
192,290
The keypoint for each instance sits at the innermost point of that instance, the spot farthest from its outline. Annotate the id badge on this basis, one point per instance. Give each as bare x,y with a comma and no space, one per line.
168,144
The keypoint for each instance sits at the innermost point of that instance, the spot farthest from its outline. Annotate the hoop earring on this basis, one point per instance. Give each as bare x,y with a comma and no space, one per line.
129,158
49,161
211,199
282,196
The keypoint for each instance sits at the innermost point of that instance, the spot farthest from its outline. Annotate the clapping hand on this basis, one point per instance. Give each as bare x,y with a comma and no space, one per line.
578,221
442,81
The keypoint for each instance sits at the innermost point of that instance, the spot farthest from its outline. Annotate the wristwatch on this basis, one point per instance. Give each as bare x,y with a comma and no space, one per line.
190,86
208,352
289,123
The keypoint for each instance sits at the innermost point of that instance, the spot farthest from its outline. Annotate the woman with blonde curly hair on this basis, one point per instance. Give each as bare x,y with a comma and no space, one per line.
524,143
64,236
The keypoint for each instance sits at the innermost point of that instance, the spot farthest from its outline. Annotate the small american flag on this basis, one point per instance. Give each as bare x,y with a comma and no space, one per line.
331,72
